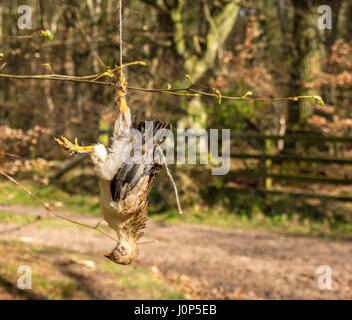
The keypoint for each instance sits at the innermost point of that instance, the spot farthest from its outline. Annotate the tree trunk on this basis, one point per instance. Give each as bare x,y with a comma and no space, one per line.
197,66
307,58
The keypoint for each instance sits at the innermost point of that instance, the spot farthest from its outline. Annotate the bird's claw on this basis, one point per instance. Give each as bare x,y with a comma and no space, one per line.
73,147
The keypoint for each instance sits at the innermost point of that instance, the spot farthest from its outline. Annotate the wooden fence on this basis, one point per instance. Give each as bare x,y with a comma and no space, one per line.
267,160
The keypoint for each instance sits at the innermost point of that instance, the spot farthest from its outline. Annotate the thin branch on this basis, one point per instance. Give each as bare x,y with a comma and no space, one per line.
9,154
48,209
172,181
243,98
19,37
186,91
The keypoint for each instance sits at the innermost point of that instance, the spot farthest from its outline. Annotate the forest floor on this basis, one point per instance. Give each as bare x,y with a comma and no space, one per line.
188,261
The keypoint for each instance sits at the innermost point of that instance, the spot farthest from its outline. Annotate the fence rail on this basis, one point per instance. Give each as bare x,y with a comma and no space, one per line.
295,194
294,137
283,157
267,160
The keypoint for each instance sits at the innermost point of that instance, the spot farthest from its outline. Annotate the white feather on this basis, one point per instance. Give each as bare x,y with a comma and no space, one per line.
108,162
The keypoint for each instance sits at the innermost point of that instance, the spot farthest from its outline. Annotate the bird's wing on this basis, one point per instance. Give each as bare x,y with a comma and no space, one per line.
130,174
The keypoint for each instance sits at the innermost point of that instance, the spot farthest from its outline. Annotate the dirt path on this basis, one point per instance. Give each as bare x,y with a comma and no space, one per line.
214,263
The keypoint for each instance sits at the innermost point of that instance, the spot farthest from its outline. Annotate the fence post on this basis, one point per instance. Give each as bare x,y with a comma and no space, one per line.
266,164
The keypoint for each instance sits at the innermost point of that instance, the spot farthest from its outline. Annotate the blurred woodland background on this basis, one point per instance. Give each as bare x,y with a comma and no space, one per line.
291,164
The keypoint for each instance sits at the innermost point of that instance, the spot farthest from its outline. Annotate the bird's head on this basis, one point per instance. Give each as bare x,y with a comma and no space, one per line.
124,253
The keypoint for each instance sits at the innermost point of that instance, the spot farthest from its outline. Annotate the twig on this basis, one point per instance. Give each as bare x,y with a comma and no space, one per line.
172,181
3,65
9,154
19,37
186,91
46,207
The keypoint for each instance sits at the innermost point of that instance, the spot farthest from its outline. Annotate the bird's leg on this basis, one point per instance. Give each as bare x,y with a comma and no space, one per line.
73,147
123,122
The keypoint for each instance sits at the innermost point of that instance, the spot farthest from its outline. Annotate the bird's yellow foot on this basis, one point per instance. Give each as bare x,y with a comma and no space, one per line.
73,148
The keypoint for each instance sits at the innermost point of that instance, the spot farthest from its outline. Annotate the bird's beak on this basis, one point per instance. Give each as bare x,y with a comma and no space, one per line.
108,255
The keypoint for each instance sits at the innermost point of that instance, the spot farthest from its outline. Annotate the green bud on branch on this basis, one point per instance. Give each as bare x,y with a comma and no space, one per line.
46,34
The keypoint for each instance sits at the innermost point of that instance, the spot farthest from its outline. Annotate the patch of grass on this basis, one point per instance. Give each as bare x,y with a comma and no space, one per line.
56,276
56,197
46,281
143,281
10,217
290,224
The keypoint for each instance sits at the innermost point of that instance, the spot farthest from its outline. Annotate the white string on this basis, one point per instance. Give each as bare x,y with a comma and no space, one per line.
120,85
172,181
120,31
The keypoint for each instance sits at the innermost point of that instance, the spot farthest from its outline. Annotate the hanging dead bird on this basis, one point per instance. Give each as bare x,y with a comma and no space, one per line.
124,183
